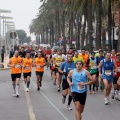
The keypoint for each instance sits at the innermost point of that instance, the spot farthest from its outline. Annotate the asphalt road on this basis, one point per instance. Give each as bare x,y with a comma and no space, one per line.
46,104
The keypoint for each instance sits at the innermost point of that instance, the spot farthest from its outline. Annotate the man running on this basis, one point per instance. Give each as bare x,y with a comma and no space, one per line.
77,57
39,64
16,64
79,87
57,60
27,69
64,69
108,66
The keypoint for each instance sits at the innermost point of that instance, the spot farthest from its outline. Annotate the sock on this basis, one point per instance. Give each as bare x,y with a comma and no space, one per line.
93,87
69,99
13,87
28,83
17,88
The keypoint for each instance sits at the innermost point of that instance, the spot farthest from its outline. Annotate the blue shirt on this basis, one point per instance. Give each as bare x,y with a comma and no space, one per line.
99,59
66,67
78,77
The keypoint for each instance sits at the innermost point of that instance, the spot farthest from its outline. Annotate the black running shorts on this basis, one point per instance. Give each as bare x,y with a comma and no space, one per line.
115,80
15,76
81,97
39,73
65,84
27,74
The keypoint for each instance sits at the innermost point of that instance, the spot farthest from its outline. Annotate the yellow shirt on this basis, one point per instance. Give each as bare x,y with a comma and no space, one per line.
77,58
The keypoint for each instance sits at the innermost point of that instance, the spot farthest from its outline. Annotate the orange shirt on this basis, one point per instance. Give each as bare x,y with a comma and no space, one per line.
38,63
85,58
28,65
16,61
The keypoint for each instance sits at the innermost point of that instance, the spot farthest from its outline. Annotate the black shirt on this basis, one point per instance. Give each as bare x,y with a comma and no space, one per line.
22,54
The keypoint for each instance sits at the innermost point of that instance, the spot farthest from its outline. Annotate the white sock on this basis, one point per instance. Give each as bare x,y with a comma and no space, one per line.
17,89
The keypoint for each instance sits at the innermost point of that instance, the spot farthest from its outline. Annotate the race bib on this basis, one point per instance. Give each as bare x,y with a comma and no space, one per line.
80,87
58,63
17,66
118,69
27,68
38,66
108,72
93,67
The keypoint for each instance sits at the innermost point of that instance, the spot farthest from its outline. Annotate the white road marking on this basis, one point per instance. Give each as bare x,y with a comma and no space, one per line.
29,104
51,103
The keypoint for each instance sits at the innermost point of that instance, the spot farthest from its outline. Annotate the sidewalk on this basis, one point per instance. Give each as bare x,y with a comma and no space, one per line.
6,60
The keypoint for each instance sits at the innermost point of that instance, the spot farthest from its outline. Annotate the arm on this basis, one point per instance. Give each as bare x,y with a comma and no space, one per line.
99,68
9,64
115,67
69,78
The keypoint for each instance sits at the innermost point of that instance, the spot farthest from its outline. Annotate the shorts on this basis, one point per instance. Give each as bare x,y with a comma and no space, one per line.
56,71
109,78
39,73
115,80
81,97
27,74
15,76
65,84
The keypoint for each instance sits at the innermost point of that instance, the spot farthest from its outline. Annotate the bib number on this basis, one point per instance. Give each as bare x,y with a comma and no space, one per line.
108,72
38,66
80,87
93,67
17,66
27,68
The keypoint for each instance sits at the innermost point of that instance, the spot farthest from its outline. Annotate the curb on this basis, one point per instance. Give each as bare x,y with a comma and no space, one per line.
5,68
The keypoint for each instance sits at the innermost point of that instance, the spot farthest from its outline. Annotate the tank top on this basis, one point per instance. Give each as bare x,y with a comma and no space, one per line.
58,61
28,65
79,77
118,69
107,67
16,61
38,62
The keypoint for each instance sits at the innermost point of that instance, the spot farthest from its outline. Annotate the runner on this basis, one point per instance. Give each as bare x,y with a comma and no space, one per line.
108,66
99,58
116,77
16,64
64,69
93,71
76,57
57,60
79,87
27,69
113,55
39,64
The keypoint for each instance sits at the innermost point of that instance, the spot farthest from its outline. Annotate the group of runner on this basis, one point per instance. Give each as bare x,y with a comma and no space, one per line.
75,71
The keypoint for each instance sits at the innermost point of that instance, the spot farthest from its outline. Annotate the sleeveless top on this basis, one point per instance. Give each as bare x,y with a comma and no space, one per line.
78,77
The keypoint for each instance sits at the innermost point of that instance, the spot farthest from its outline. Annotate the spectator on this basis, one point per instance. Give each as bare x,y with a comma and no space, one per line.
2,53
11,53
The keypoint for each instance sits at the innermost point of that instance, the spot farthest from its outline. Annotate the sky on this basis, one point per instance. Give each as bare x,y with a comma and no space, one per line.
23,11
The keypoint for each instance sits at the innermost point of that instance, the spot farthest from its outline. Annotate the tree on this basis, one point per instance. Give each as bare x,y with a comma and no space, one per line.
27,39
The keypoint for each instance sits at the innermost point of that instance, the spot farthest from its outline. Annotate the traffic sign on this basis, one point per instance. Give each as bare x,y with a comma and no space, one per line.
13,35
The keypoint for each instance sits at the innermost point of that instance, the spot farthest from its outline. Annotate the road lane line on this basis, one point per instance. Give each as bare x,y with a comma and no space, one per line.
29,104
51,103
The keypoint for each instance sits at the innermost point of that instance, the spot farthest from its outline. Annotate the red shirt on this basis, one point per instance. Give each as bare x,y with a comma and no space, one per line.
118,69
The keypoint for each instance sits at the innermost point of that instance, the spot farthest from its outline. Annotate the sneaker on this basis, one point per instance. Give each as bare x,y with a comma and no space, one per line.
54,83
89,92
38,88
17,95
116,95
106,101
14,94
69,108
63,100
112,95
27,90
93,92
58,89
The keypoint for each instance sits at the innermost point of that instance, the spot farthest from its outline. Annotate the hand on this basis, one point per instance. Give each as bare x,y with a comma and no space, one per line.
64,73
81,84
13,65
70,83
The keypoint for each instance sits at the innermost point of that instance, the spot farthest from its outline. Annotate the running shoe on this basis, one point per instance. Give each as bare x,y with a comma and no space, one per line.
89,92
38,88
27,90
116,95
106,101
14,94
69,108
63,100
58,89
112,95
93,92
17,95
54,83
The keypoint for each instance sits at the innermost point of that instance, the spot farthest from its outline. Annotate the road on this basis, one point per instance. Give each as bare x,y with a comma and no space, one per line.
46,104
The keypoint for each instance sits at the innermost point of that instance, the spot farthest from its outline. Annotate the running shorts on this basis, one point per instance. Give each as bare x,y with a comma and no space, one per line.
81,97
15,76
65,84
115,80
39,73
27,74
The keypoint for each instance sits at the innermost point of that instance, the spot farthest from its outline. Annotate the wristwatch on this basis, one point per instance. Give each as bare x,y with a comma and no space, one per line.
85,84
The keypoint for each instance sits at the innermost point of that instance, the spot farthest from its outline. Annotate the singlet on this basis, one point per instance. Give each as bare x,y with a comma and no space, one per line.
58,61
79,77
93,68
99,59
66,67
78,58
16,61
107,67
118,69
28,65
38,62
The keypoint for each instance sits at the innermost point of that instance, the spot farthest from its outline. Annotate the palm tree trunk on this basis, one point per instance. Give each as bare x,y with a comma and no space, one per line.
98,24
52,34
90,25
118,45
109,25
63,29
103,38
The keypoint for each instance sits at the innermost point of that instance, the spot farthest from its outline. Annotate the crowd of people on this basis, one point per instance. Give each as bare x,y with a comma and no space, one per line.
73,73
